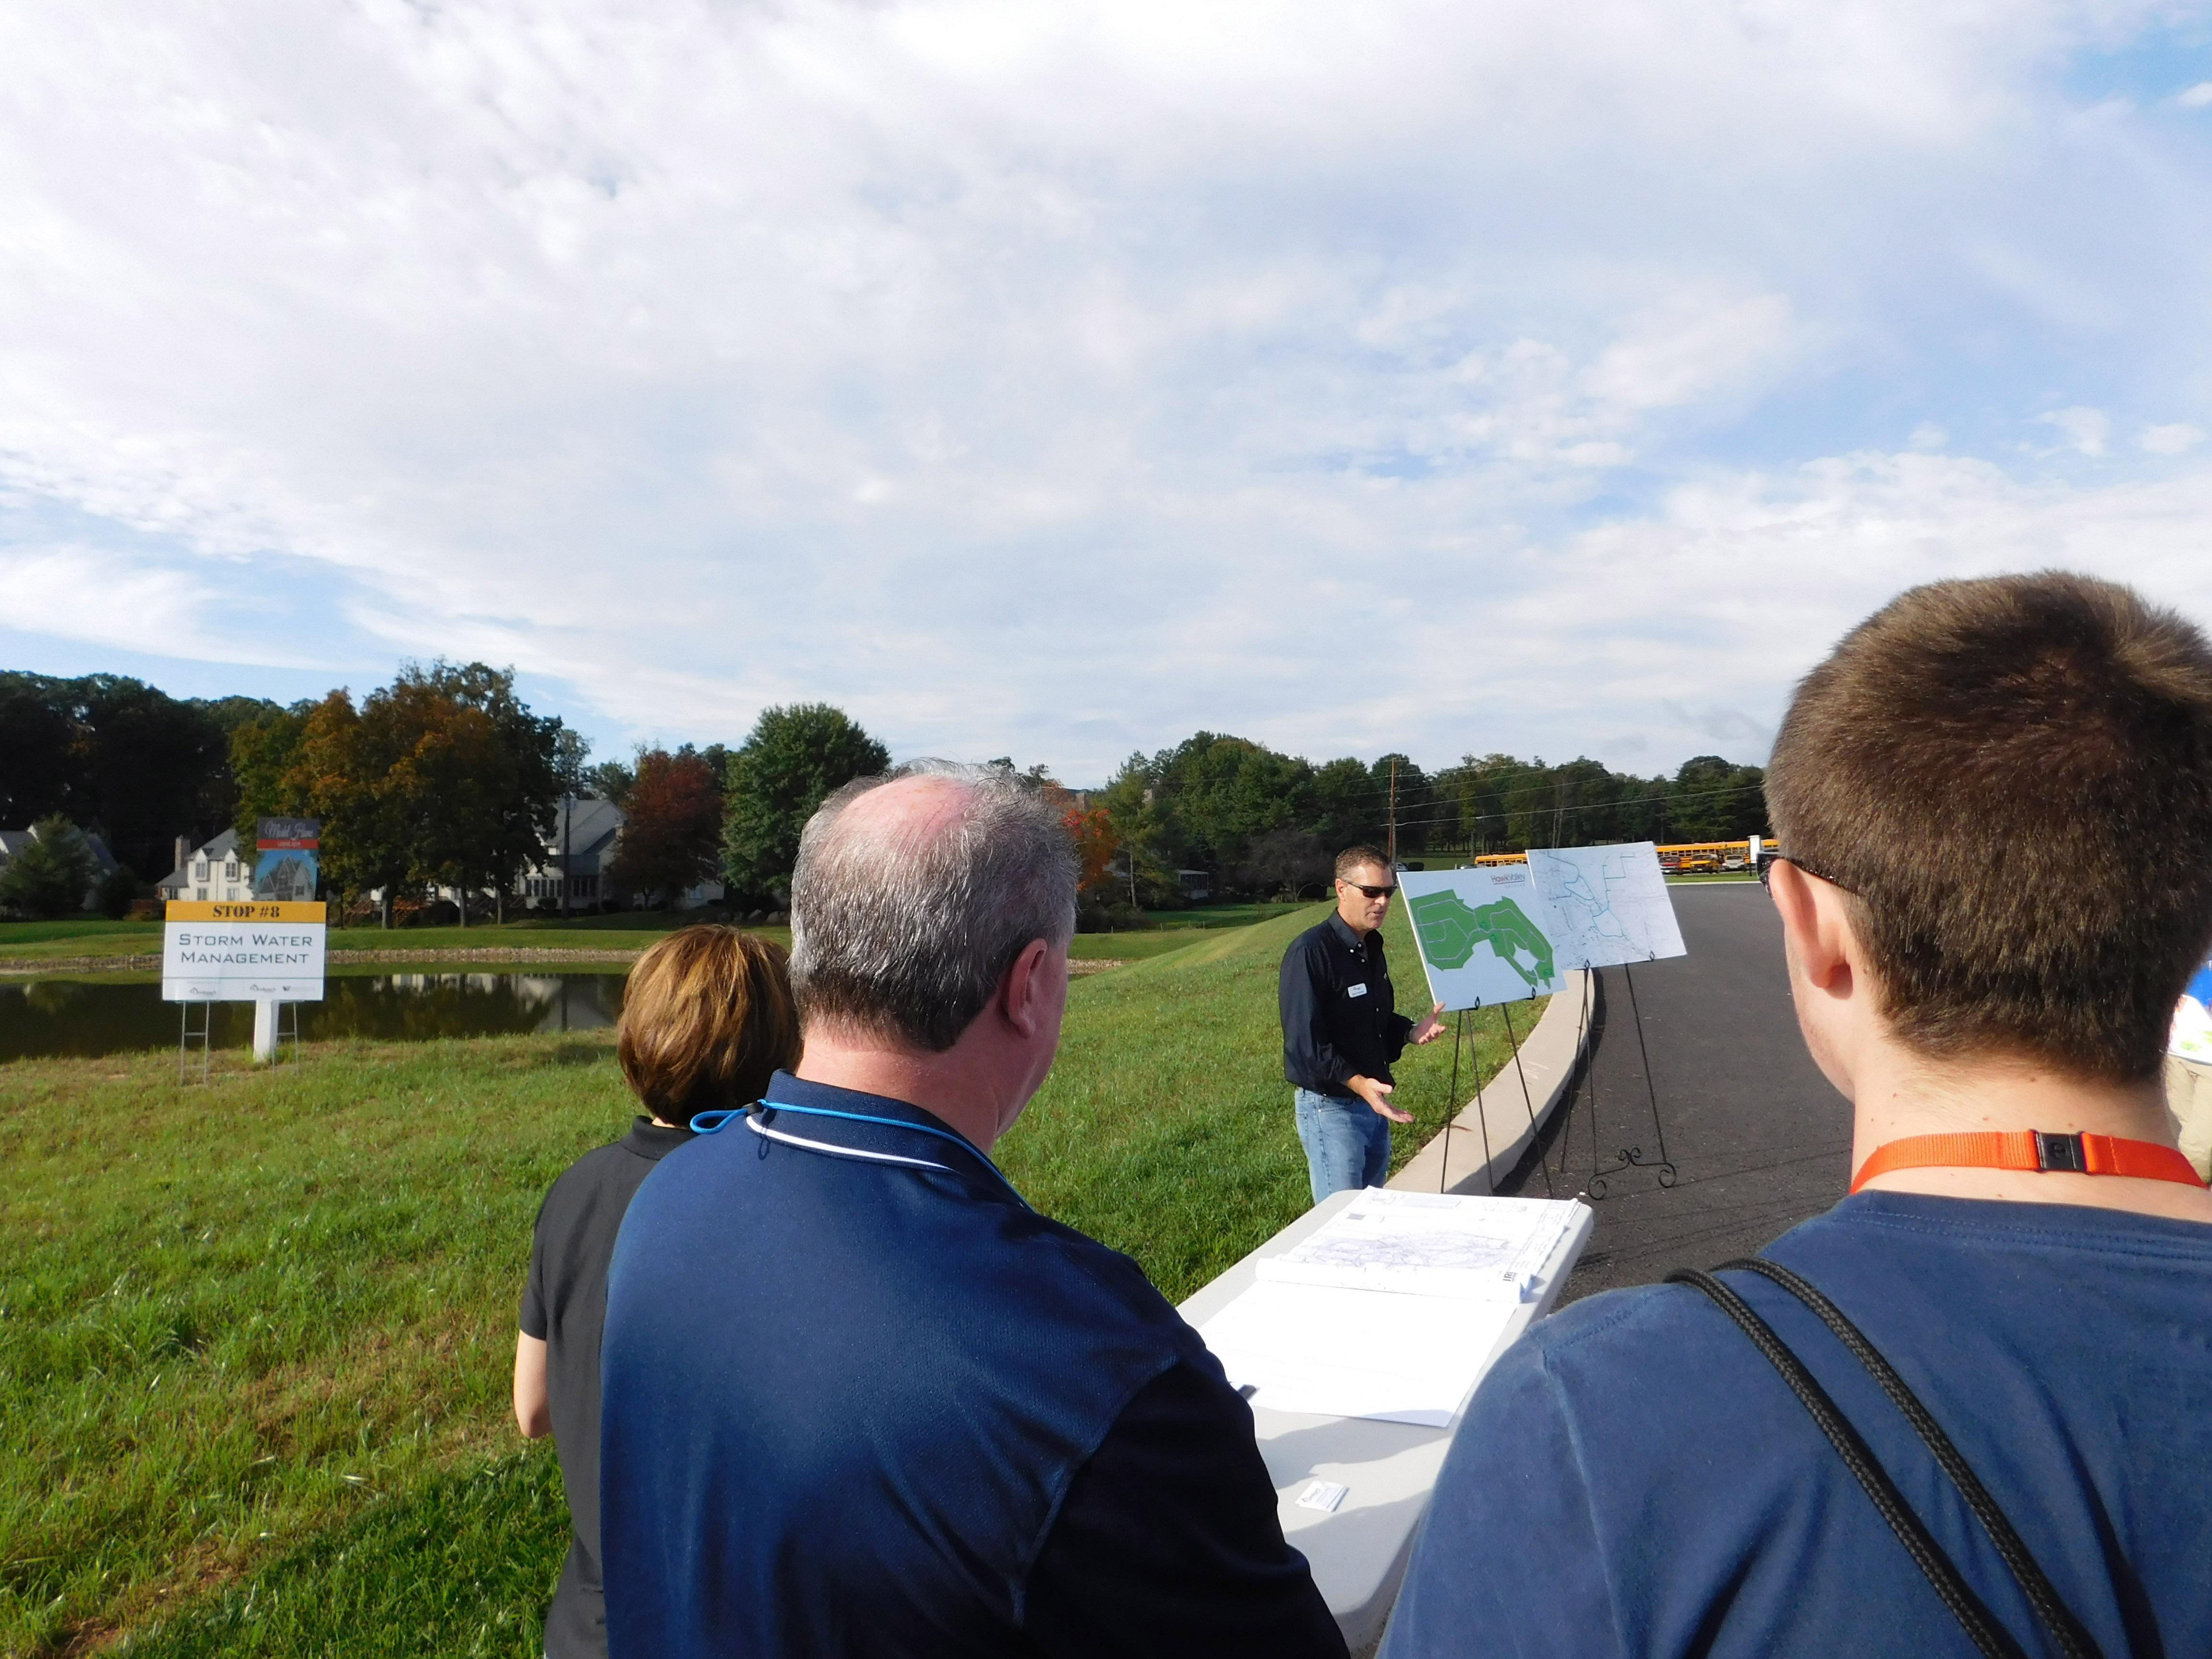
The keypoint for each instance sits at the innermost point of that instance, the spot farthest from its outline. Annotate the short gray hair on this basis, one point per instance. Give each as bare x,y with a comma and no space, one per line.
908,935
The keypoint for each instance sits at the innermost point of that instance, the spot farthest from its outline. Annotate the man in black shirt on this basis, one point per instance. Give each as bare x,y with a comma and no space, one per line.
707,1018
1342,1029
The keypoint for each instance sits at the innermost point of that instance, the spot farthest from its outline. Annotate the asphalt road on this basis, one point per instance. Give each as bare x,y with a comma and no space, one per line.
1758,1139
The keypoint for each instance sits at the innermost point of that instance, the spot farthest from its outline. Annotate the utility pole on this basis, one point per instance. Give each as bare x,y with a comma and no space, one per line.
1394,813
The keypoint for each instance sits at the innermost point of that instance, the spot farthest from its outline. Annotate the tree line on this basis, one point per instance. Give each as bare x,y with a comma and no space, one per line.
446,780
1258,821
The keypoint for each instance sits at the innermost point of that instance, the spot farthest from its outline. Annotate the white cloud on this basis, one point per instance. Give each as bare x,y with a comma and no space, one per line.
2085,428
2176,438
1059,379
97,598
2197,96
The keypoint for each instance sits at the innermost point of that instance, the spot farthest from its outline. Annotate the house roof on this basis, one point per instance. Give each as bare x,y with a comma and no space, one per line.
593,827
13,842
222,847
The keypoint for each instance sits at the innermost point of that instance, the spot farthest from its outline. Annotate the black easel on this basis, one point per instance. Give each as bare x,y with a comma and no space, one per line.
1628,1157
1527,1099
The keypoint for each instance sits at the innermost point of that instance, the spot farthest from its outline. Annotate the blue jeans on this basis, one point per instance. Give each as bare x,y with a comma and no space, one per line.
1347,1142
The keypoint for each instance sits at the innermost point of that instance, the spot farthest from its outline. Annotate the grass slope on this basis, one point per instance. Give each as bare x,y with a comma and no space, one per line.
1165,1128
255,1338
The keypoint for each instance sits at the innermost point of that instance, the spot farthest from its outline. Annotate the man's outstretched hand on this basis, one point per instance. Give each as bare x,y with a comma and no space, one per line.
1431,1028
1377,1095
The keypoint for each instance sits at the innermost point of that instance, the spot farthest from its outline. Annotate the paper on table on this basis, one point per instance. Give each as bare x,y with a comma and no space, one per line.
1428,1244
1337,1352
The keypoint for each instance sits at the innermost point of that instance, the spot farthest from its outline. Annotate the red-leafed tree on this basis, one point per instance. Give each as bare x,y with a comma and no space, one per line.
1090,828
1094,846
671,834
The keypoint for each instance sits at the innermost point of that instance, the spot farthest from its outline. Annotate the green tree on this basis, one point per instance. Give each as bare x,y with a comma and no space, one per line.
42,769
1346,811
341,770
117,889
794,756
265,767
1712,799
1144,829
471,775
1405,797
612,781
52,875
1222,791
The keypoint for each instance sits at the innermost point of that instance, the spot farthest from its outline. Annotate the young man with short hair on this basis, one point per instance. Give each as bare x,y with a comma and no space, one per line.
1342,1031
1994,801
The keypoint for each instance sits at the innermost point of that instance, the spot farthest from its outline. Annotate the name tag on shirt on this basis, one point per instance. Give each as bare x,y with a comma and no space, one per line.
1355,990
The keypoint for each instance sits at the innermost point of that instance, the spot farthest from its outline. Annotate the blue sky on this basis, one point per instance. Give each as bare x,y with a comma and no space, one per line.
1056,381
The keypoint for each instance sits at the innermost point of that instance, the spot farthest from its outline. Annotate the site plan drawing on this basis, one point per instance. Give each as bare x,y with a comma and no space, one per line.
1505,933
1607,904
1428,1244
1393,1308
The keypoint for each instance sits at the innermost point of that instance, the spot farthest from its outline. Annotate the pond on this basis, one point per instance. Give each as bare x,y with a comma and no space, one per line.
69,1017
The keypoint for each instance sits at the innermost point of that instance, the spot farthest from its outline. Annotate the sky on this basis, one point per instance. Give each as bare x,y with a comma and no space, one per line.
1055,381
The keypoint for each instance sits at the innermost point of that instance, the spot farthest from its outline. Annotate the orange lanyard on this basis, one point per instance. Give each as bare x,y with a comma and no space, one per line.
2029,1149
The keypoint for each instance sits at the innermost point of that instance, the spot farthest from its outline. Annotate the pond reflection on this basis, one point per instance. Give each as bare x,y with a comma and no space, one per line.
67,1017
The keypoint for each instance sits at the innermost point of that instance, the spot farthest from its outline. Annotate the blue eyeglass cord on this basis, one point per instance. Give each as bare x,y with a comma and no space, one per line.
722,1115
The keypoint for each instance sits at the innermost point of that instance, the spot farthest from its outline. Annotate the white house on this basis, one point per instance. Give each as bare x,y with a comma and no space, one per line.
581,850
212,872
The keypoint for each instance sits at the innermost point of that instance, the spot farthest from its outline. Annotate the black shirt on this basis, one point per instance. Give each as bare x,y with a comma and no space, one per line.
1340,1018
564,1305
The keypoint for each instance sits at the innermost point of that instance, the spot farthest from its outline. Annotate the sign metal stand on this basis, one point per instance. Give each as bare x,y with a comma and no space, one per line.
186,1036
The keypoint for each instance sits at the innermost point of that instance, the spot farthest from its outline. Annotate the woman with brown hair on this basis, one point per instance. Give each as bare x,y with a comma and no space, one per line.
706,1020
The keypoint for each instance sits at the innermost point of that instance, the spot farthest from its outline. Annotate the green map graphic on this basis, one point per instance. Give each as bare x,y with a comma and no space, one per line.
1449,932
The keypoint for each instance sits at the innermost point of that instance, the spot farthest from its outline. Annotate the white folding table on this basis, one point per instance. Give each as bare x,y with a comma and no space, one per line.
1359,1550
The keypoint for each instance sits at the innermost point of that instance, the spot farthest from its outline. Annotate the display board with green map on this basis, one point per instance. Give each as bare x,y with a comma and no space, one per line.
1481,936
1506,932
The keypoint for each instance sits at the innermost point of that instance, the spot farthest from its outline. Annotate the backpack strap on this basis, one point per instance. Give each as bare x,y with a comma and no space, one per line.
2058,1618
1943,1577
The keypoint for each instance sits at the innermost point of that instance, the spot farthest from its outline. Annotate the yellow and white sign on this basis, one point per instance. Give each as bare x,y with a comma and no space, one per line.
249,951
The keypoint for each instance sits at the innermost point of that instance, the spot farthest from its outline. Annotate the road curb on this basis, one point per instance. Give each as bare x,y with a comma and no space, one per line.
1501,1118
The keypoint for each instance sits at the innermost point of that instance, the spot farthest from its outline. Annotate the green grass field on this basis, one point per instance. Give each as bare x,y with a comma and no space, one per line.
255,1337
51,941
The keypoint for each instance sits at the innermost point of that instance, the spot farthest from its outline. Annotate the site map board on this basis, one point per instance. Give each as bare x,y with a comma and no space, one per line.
1506,932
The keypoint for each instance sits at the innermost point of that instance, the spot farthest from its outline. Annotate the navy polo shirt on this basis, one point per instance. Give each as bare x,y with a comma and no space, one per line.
1634,1478
859,1399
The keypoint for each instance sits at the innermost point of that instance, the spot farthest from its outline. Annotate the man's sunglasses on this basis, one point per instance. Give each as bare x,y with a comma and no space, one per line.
1768,861
1371,892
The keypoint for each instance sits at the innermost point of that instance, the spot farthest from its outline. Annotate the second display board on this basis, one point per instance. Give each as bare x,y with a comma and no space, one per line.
1506,932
